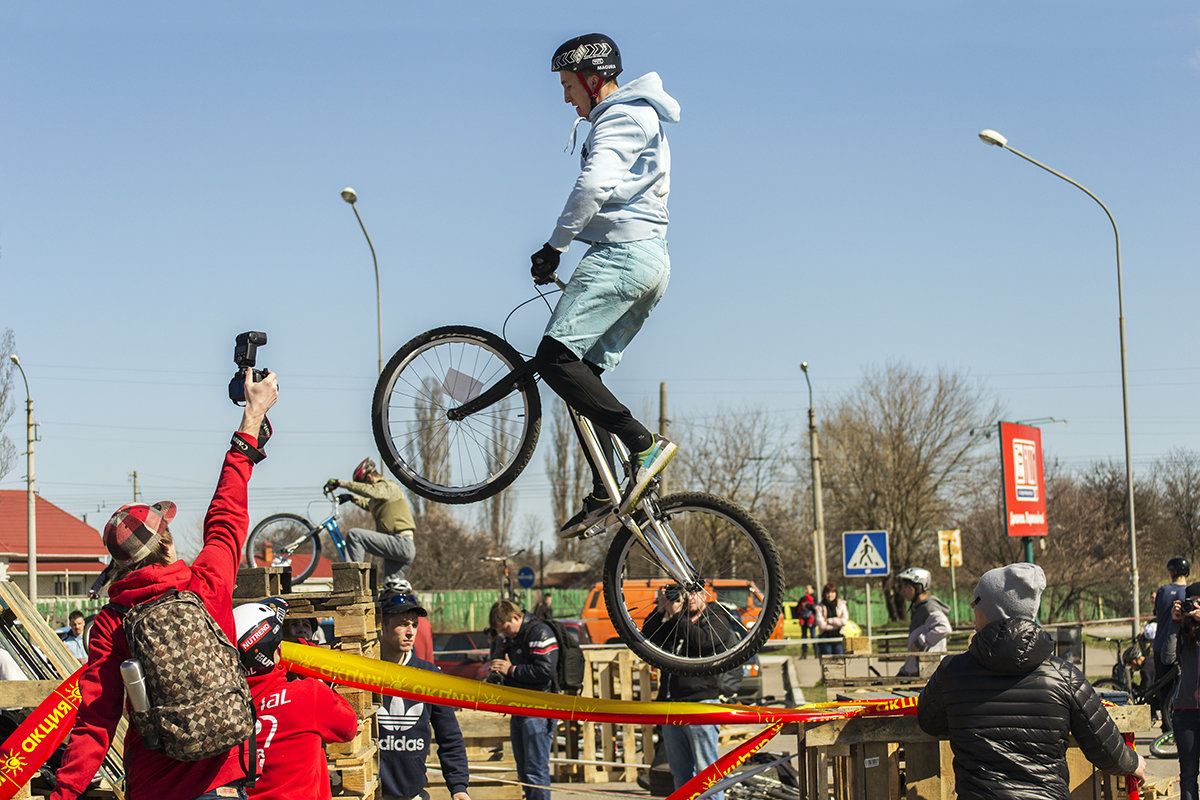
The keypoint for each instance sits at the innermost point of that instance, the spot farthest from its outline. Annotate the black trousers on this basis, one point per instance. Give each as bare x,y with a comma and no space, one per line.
578,383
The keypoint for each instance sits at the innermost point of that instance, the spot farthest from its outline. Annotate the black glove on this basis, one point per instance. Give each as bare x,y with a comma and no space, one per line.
331,484
344,498
545,264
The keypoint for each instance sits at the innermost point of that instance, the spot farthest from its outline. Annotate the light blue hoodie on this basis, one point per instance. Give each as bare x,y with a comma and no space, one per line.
621,192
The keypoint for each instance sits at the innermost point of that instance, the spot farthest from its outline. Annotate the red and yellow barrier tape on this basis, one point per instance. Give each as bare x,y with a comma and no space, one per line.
38,736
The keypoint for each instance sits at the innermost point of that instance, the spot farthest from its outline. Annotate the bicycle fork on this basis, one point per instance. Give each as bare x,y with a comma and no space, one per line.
657,538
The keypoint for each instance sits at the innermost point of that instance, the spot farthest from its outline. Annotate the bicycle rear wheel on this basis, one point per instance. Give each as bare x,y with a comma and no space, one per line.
454,461
732,559
285,540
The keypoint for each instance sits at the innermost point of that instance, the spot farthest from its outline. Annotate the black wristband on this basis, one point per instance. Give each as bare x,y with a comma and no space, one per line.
245,448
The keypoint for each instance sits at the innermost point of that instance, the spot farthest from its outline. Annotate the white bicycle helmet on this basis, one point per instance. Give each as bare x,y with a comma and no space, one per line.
259,631
918,577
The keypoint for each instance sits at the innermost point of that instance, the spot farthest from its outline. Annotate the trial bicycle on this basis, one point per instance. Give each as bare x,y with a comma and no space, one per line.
290,540
456,415
507,592
1122,681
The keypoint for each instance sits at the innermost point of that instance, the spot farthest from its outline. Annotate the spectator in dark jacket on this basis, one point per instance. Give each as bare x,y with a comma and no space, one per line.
1008,704
404,725
685,623
525,655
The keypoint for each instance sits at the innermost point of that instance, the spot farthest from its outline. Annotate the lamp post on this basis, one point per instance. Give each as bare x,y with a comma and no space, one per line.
819,565
30,510
349,195
996,140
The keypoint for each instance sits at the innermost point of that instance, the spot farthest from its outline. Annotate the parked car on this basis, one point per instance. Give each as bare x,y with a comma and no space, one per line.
578,630
464,654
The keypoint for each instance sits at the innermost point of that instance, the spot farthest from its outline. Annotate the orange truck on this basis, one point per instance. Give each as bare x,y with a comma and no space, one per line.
740,593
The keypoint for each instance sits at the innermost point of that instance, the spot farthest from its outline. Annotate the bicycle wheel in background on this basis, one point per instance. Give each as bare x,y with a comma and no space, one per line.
732,555
283,540
1109,685
1164,746
447,460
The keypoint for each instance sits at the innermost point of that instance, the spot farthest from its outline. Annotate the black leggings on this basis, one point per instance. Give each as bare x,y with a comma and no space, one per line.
578,383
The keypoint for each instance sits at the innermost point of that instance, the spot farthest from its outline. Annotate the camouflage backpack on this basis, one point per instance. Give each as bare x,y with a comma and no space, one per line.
200,704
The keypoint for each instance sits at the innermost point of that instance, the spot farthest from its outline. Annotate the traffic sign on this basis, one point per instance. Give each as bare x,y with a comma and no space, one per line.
865,553
525,577
950,548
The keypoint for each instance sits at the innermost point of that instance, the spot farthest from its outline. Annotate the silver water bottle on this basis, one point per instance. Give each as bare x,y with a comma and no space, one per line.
135,684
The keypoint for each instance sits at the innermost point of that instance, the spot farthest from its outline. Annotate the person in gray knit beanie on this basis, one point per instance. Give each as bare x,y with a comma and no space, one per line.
1012,592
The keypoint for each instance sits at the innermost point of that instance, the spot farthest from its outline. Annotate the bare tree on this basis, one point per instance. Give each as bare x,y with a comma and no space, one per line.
899,453
8,451
568,472
1178,476
498,509
429,445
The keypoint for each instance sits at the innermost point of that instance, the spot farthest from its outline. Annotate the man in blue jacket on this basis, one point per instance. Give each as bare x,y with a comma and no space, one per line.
525,656
618,207
404,724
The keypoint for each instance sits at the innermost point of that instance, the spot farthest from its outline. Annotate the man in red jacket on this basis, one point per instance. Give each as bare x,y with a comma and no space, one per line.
295,718
138,539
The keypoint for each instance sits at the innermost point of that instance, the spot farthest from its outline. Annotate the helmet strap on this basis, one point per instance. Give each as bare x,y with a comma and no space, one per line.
592,93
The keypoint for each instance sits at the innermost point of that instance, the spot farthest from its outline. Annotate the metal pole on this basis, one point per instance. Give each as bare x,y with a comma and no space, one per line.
662,431
819,565
30,496
954,589
378,296
991,137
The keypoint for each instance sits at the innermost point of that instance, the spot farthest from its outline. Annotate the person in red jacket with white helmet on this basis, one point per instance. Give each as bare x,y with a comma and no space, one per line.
295,718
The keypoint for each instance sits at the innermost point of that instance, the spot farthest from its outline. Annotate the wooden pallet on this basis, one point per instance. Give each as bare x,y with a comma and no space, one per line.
489,756
15,607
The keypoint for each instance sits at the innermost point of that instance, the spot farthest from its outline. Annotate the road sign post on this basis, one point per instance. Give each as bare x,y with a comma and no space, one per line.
950,552
865,555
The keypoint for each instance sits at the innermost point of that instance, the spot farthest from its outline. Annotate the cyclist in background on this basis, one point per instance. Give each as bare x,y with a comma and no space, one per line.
393,538
618,207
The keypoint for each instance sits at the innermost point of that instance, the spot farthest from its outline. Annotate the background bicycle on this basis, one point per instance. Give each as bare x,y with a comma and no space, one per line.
1126,678
290,540
456,416
507,592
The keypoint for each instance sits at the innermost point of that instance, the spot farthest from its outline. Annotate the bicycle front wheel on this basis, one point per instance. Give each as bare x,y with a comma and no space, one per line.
732,559
285,540
454,461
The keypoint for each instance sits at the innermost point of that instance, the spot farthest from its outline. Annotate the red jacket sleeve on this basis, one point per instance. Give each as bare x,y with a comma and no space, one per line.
333,718
225,526
102,699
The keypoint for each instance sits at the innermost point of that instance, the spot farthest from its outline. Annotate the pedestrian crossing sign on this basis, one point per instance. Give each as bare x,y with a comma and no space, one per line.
865,554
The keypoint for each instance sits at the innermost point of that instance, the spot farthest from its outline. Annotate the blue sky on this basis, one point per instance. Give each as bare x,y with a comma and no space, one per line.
170,177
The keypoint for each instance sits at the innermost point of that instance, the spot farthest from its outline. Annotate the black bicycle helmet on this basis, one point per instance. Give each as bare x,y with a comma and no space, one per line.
259,631
1179,566
592,51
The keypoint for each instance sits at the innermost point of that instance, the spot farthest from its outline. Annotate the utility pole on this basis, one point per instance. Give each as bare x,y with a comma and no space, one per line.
662,431
30,488
133,475
819,565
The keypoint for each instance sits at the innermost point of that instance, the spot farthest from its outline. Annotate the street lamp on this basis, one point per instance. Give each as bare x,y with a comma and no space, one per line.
30,512
996,140
819,565
349,195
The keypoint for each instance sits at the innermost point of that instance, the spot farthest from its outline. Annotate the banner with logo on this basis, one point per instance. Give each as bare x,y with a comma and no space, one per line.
38,736
1024,484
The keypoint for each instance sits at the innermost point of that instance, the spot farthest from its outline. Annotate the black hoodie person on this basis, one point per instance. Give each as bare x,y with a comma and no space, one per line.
1008,704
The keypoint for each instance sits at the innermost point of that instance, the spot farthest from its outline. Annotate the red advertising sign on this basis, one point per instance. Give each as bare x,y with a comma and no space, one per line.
1024,489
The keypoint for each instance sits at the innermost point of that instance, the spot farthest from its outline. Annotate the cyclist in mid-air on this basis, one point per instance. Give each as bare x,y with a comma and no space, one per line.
618,207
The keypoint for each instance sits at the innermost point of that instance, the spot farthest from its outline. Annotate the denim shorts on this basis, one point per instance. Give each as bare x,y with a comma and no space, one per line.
609,296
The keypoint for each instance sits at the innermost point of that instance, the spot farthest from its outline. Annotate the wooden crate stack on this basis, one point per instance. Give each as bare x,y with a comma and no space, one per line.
351,605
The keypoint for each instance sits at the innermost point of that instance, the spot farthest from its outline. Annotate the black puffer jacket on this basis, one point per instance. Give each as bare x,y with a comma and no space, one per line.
1007,706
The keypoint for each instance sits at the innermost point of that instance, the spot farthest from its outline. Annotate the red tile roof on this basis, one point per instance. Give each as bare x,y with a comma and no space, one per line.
63,542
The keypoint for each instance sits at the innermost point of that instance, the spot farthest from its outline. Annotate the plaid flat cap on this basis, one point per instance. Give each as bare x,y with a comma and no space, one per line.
134,531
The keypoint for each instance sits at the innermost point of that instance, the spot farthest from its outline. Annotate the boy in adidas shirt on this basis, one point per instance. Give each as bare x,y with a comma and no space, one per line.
404,725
